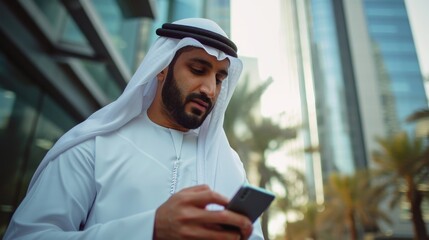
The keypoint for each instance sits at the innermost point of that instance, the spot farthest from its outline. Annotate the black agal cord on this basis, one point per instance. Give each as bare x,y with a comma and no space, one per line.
205,37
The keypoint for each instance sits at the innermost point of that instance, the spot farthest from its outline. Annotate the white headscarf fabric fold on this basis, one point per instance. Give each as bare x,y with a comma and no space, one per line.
140,92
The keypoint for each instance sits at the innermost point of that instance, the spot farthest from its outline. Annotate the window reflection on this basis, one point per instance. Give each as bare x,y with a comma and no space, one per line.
103,78
64,27
124,33
7,99
30,122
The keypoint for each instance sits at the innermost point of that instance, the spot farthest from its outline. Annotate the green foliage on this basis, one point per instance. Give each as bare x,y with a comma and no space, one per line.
401,157
418,115
399,154
307,227
352,201
403,166
241,105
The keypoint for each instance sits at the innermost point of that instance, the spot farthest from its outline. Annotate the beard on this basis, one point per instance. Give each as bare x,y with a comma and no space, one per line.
175,103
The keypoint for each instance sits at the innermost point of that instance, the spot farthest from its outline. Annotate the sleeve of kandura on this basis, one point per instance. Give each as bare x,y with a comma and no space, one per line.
57,205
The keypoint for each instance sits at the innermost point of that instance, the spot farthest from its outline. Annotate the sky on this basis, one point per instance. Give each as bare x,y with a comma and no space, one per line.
256,38
255,30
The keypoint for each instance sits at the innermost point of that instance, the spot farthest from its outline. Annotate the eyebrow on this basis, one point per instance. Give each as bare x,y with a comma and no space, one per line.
208,64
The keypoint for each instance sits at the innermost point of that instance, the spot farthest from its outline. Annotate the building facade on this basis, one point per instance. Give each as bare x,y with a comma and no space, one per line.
338,116
400,78
296,24
367,81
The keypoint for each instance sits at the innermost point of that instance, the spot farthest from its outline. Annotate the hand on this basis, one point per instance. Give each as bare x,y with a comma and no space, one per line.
184,216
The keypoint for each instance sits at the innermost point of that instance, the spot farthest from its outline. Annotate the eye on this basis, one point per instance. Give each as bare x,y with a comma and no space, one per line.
220,78
197,71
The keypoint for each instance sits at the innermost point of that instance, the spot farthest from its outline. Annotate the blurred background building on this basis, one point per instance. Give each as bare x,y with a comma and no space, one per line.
367,81
359,78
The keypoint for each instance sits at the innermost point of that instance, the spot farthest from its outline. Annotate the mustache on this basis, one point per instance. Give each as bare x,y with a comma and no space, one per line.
201,97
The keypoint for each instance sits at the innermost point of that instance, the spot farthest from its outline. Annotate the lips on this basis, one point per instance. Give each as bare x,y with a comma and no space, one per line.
201,103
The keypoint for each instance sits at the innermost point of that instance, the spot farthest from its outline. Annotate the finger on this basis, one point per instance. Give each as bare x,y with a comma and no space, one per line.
203,198
243,224
197,188
240,221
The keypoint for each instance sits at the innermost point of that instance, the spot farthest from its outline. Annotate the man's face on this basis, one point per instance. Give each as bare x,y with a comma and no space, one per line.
192,85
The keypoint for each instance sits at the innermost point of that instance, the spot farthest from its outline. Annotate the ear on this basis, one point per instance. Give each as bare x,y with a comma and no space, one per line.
161,76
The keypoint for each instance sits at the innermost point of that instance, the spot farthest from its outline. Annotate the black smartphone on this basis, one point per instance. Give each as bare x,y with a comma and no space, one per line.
250,201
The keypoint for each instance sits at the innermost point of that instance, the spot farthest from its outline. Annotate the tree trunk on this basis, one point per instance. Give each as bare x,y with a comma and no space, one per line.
352,226
415,199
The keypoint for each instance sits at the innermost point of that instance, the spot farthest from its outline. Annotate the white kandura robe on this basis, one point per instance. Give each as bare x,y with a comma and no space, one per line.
110,186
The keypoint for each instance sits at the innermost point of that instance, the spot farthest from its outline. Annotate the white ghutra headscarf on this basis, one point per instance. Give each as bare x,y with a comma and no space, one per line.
140,92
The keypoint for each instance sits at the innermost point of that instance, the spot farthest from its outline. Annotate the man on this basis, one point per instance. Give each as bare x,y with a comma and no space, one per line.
156,162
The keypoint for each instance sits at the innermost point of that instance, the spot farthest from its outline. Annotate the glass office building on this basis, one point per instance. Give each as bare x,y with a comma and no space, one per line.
339,103
340,134
296,35
59,62
367,81
400,79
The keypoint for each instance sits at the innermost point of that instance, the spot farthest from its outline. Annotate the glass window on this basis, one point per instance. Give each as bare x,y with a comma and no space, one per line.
7,99
30,121
397,47
386,12
52,122
401,87
187,8
54,12
101,76
380,4
415,79
390,28
71,33
406,105
66,29
379,28
123,32
397,65
18,120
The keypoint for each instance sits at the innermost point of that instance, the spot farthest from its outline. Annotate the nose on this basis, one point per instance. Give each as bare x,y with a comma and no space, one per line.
208,86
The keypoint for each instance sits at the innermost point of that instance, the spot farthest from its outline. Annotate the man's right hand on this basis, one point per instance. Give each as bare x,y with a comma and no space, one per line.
184,216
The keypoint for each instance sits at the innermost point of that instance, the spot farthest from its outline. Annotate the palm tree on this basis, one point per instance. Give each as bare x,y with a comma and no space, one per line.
307,227
260,132
297,202
403,162
418,115
240,107
264,133
352,201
